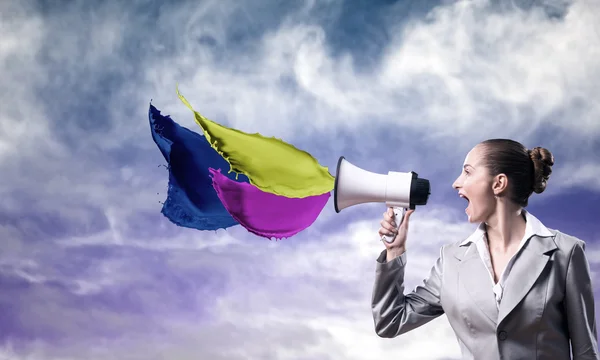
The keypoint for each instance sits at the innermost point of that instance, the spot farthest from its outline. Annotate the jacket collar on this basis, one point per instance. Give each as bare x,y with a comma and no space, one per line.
532,261
533,227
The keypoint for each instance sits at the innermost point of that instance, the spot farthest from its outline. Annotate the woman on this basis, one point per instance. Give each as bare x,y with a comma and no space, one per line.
512,290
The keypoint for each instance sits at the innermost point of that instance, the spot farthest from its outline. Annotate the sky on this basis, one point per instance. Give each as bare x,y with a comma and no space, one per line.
90,269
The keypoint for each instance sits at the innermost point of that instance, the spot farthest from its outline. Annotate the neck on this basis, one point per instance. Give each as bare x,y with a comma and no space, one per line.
505,228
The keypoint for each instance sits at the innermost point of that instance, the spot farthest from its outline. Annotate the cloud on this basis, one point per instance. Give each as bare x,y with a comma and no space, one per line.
465,73
285,301
83,238
233,300
583,175
437,87
431,74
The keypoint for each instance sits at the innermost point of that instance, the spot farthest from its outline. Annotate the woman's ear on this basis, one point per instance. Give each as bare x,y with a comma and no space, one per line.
500,184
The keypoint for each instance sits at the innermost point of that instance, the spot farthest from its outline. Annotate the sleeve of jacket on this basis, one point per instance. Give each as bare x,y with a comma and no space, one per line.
579,304
394,312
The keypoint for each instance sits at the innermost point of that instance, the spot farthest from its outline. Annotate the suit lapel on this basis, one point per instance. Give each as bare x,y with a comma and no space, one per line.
528,267
476,280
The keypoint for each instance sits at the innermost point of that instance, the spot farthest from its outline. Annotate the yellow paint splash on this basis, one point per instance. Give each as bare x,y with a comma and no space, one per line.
271,164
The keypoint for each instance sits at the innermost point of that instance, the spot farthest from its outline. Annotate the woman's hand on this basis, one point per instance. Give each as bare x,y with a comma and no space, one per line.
388,227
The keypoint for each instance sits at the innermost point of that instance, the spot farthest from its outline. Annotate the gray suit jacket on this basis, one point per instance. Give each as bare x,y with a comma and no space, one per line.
548,302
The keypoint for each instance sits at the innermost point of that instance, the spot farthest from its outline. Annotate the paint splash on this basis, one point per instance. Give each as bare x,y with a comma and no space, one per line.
191,199
270,164
265,214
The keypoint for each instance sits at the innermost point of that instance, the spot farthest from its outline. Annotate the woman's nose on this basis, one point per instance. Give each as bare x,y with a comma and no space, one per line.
456,184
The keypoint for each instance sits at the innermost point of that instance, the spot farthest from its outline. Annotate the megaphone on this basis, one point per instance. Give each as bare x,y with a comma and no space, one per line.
399,190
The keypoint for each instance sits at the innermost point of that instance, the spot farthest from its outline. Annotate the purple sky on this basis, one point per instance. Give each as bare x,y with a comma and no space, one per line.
90,269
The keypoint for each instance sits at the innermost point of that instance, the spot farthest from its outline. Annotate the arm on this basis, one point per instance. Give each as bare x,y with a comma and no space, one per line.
579,305
395,313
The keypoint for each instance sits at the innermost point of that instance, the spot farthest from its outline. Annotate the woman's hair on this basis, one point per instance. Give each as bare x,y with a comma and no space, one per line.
528,171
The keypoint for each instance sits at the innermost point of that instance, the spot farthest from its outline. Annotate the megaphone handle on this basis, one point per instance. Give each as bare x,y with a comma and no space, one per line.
398,218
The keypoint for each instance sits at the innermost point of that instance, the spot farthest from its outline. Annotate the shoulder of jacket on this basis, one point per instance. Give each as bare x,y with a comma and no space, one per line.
565,241
451,248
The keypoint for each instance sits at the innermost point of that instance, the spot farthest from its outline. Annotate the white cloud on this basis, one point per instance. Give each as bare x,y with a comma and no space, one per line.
468,72
293,299
283,300
453,78
584,175
463,75
443,77
21,39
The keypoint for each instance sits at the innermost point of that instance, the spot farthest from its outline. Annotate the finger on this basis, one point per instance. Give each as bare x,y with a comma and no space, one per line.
383,231
387,213
389,216
390,221
388,226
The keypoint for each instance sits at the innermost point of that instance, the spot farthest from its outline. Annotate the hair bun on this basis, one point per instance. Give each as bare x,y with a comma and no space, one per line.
542,167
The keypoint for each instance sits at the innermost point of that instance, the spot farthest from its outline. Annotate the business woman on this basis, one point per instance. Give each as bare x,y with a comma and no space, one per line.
514,289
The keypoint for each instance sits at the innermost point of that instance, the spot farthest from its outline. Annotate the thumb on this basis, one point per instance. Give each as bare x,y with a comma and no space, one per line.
407,215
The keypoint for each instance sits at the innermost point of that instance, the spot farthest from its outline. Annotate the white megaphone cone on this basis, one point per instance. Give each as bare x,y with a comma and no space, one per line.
399,190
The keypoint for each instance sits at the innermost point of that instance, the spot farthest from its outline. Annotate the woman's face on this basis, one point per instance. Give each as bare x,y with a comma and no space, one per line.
475,185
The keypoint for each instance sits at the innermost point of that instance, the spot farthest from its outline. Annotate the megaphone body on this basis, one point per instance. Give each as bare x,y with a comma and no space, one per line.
399,190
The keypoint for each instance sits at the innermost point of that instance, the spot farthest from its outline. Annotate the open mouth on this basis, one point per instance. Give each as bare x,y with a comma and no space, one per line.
468,203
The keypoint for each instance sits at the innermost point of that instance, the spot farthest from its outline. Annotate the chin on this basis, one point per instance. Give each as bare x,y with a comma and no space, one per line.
474,219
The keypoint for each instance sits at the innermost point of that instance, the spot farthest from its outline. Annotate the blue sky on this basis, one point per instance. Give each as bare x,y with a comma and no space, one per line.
89,268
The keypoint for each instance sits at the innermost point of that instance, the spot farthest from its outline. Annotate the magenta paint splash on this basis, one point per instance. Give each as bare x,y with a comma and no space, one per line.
265,214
